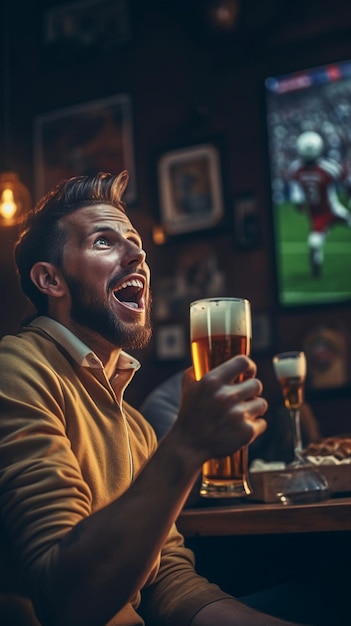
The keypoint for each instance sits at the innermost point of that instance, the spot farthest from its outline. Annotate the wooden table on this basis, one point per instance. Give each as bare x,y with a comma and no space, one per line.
259,519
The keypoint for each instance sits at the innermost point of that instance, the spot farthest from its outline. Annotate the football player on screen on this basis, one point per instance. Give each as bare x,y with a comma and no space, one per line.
314,181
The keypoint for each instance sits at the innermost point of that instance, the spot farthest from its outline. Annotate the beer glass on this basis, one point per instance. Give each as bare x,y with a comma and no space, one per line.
220,328
290,370
306,484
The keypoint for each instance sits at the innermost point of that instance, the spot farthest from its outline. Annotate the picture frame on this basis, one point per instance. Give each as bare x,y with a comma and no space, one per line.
85,139
190,189
328,357
196,274
76,29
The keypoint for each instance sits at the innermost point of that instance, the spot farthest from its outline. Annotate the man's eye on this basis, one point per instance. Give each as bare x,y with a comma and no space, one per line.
101,241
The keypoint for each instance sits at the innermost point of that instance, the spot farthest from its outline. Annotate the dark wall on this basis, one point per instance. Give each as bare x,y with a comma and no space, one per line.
188,84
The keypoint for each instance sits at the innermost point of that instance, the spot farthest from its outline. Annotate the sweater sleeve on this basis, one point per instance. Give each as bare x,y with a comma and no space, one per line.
178,592
42,491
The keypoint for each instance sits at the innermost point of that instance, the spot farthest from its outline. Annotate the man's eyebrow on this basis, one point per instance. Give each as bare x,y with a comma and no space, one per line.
101,227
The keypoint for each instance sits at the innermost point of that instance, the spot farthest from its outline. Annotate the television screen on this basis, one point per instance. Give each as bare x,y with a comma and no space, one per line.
308,116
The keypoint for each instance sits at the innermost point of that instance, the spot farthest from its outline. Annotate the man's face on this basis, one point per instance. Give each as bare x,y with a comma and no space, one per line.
109,281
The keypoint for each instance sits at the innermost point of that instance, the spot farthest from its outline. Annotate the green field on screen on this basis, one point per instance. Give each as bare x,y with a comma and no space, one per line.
295,281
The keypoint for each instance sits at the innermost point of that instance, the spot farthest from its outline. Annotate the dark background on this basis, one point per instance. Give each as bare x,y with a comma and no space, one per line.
190,82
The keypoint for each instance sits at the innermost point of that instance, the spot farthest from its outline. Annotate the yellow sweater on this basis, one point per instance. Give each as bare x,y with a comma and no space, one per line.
69,445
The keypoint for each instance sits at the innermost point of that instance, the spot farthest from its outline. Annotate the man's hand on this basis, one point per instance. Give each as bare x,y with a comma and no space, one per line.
218,415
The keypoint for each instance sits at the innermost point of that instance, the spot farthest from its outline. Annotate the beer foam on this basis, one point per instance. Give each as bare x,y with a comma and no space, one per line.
229,316
289,366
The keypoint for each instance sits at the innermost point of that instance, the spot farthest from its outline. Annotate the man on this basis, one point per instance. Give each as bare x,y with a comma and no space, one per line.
313,188
88,501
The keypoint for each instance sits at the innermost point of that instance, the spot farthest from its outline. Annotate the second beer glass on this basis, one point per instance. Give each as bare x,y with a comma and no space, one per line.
220,328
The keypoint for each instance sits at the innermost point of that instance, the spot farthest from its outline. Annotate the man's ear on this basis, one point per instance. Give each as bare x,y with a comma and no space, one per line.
48,279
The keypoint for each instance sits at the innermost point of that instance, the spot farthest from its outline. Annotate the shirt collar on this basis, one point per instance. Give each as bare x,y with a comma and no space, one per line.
78,350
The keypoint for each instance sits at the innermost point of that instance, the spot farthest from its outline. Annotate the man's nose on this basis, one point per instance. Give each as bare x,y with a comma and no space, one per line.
134,255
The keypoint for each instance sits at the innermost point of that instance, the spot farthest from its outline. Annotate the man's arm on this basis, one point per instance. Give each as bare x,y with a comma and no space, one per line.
297,196
231,612
88,573
107,557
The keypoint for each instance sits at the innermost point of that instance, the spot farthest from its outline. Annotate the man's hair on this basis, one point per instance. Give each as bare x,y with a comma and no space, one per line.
43,235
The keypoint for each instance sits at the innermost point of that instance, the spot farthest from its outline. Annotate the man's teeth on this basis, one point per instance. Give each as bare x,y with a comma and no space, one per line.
130,283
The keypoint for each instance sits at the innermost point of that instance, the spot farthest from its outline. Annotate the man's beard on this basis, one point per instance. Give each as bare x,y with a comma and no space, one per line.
89,312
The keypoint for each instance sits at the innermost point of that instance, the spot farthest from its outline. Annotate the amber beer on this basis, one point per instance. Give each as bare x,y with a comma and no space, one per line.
208,352
220,328
292,388
290,369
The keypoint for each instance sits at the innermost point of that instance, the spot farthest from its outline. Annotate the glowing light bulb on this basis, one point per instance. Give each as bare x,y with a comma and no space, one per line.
158,235
15,199
8,207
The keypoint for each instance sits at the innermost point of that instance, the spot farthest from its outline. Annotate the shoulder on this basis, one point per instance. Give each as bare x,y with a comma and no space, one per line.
330,167
31,361
28,342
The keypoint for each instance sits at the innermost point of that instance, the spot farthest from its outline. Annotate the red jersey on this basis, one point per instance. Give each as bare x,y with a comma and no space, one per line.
315,186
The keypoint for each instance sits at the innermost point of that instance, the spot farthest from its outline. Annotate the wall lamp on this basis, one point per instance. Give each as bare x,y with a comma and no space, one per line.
15,199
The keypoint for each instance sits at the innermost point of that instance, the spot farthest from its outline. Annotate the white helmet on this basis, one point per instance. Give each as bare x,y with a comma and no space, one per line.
309,145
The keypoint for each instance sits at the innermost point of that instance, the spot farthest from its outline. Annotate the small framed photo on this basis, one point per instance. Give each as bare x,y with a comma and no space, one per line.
93,137
328,358
70,30
190,189
171,343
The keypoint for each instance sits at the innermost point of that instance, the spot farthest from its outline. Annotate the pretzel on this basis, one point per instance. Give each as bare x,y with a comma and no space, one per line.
337,446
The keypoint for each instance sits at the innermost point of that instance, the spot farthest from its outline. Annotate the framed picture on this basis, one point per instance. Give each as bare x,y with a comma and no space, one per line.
85,139
327,354
197,274
190,189
75,28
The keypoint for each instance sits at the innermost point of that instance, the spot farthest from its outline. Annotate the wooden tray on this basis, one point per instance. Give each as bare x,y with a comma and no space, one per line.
264,483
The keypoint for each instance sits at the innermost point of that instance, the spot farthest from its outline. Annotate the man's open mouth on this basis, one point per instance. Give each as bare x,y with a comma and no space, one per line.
130,293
